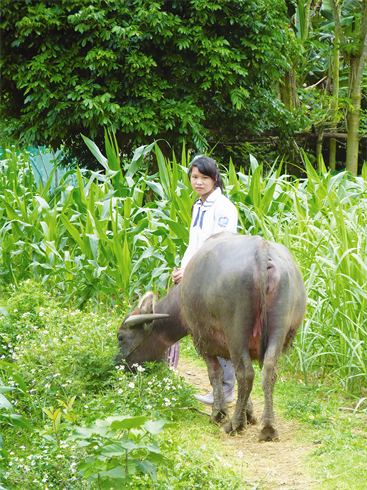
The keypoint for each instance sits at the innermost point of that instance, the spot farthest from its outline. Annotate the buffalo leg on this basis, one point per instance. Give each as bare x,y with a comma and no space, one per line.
250,417
215,372
268,431
240,356
245,376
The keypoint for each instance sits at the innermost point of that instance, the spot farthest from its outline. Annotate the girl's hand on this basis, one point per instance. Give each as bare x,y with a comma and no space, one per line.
177,275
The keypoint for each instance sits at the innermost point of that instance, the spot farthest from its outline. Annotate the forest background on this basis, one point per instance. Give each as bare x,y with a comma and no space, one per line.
236,77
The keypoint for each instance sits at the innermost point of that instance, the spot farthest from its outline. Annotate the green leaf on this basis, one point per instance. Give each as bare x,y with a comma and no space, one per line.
156,426
96,152
164,172
20,421
119,448
125,263
116,473
19,380
3,311
138,158
267,199
157,188
149,468
179,230
5,403
128,423
255,187
10,212
112,151
253,162
364,171
87,432
73,232
5,389
8,365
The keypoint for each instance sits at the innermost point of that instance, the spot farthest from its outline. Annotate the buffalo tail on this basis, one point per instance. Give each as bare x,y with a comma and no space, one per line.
262,259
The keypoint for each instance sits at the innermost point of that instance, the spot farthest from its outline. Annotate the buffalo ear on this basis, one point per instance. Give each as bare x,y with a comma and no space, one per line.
146,304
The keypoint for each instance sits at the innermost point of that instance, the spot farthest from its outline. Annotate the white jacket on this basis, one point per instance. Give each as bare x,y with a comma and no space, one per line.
217,214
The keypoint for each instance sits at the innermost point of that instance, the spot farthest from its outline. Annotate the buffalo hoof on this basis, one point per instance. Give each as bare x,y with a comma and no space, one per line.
228,427
251,419
268,433
218,417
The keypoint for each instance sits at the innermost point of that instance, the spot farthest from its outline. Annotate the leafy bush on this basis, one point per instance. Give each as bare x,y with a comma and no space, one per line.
119,453
181,70
36,464
8,417
65,358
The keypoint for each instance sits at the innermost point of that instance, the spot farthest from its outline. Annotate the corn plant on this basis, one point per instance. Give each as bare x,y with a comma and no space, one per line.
105,238
82,239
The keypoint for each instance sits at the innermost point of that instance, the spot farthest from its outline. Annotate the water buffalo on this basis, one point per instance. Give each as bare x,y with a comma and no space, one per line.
242,298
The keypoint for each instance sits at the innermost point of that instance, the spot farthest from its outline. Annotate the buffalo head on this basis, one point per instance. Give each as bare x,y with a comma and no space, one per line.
136,335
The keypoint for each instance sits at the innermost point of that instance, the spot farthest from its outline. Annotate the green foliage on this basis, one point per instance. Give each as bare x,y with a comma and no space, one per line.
177,70
334,426
7,412
69,403
76,236
124,450
85,353
91,420
94,242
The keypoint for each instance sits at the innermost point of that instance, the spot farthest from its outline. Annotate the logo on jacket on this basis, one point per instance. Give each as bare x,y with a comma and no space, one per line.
223,221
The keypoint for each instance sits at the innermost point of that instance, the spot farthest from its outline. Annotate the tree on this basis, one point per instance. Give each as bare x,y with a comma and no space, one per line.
352,33
177,70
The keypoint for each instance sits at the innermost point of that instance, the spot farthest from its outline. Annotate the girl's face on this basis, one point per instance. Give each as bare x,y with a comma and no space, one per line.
202,184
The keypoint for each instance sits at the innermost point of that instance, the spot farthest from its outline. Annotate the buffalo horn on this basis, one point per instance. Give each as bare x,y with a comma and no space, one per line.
137,319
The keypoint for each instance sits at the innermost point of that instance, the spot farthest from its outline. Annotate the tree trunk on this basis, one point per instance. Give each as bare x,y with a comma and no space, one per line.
356,67
288,91
320,139
335,103
306,21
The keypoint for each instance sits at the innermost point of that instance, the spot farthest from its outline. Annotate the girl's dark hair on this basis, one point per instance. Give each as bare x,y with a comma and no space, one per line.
209,167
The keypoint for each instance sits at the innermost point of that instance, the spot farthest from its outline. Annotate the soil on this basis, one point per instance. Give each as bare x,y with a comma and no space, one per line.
272,465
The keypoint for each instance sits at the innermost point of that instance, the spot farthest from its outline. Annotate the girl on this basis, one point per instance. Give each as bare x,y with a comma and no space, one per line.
212,213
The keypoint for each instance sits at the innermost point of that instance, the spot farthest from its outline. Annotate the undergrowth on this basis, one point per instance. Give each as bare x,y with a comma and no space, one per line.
334,423
94,425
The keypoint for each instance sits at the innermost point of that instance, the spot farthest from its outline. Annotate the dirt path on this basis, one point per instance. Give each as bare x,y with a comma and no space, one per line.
265,466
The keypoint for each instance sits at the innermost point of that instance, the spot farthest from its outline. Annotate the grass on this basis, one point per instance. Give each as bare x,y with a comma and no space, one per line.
62,354
337,431
65,360
328,419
